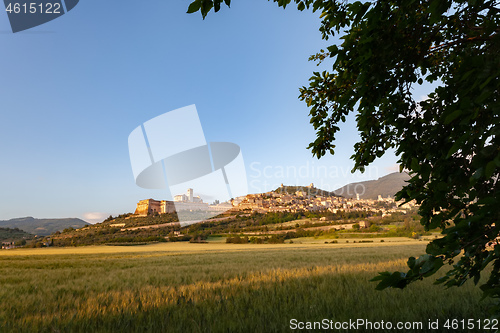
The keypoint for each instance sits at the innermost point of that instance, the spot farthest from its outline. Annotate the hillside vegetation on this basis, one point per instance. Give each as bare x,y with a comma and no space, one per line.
13,235
43,227
249,226
309,190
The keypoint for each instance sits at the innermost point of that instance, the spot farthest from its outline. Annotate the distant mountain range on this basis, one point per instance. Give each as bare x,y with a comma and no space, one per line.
385,186
42,227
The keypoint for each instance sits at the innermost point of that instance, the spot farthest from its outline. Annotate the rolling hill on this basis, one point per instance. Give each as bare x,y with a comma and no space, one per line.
7,234
385,186
43,227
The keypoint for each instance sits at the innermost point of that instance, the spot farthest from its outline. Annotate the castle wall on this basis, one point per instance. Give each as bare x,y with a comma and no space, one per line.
167,207
142,207
150,206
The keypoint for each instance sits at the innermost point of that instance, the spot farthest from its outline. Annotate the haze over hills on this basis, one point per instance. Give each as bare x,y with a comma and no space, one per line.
385,186
42,227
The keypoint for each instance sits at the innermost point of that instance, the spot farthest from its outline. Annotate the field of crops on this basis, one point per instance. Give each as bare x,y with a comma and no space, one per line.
216,287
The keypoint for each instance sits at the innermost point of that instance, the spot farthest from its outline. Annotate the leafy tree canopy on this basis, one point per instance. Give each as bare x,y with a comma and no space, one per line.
449,142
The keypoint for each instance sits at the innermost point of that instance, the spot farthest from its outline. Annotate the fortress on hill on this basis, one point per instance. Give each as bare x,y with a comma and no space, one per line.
150,206
181,202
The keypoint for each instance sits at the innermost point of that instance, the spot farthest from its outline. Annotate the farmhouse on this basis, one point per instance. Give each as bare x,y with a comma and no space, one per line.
8,245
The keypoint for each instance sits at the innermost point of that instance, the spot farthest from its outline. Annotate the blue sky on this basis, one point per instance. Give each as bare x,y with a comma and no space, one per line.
73,89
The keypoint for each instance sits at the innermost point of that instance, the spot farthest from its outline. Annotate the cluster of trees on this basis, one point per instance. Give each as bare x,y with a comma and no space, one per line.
310,191
274,239
103,235
14,234
199,232
134,221
121,216
274,218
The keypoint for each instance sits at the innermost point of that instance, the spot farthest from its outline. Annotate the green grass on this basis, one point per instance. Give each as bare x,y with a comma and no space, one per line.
215,287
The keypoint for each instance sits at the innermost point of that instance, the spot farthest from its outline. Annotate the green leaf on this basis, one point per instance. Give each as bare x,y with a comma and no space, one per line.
452,116
411,262
451,283
441,280
194,6
436,246
486,82
206,6
415,166
435,222
442,186
431,266
466,75
490,169
394,280
436,9
361,10
457,145
476,278
477,174
483,96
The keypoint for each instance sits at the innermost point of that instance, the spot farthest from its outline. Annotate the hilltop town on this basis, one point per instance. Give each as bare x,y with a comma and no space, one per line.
287,213
296,199
292,199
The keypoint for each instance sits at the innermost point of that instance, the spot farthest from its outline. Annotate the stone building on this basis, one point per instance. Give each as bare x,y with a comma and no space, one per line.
151,206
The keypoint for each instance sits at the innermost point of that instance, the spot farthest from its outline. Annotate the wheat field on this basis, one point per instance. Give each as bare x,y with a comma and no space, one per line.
215,287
